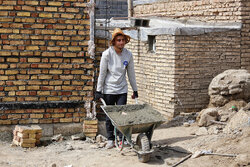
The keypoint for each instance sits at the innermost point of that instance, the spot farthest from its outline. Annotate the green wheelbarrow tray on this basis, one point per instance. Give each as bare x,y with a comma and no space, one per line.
132,119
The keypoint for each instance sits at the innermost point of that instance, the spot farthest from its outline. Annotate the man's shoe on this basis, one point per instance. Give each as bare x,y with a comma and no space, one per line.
110,144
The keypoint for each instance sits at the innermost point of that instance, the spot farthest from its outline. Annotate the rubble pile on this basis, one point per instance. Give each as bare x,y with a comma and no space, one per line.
229,106
229,85
27,137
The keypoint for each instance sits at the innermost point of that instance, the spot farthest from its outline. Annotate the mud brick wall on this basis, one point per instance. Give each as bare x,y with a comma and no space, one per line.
245,35
176,77
205,10
43,58
208,11
198,60
155,73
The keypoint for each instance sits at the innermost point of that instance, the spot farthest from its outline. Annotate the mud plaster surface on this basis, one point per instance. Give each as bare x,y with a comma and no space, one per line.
133,114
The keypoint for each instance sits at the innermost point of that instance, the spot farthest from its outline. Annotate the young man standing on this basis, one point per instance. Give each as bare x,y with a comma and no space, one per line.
112,85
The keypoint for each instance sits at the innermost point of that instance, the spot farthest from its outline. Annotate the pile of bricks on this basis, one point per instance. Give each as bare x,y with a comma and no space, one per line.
25,136
90,128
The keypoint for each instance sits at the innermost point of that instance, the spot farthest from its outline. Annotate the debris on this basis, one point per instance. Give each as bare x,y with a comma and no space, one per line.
93,146
201,131
186,124
58,137
218,122
102,145
213,130
79,136
238,121
205,116
182,160
69,147
89,140
100,138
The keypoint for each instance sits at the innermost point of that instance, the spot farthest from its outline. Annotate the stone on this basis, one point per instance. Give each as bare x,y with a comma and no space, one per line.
240,120
93,146
205,116
213,130
186,124
201,131
100,138
57,137
79,136
89,140
102,145
229,85
235,91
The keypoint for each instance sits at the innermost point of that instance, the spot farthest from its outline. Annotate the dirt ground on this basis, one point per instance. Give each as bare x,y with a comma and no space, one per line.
169,144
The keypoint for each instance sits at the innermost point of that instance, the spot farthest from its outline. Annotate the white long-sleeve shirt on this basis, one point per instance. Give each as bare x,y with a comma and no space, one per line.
113,69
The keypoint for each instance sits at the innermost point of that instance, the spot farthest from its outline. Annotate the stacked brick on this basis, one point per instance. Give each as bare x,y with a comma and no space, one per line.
43,57
90,128
25,136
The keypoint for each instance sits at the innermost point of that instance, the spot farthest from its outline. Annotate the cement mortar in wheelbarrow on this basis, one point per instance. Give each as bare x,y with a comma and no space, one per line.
137,118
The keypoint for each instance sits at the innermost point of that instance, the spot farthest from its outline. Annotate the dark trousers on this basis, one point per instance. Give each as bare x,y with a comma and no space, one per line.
120,99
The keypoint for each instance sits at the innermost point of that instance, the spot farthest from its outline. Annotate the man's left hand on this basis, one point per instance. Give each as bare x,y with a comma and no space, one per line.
135,95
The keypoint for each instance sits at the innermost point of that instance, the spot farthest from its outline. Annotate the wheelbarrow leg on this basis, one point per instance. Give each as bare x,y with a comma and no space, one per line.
116,142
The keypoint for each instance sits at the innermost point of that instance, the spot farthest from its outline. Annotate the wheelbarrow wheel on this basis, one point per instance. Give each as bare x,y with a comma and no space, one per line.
143,143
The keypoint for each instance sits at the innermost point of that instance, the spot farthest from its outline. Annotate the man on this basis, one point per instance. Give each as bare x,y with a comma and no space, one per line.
112,85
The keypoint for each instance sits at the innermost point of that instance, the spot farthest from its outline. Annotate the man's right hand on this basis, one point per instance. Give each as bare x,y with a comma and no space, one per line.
98,95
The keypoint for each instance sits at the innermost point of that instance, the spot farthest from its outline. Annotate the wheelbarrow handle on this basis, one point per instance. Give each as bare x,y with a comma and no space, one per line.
103,102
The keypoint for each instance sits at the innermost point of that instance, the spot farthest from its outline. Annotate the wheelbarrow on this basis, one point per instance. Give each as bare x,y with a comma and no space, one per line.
139,119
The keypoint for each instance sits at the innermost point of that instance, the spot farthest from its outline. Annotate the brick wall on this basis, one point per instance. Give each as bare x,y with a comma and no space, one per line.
43,58
198,60
155,72
245,35
175,78
208,11
205,10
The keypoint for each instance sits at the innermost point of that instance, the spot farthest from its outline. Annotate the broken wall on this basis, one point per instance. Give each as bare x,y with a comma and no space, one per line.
45,70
